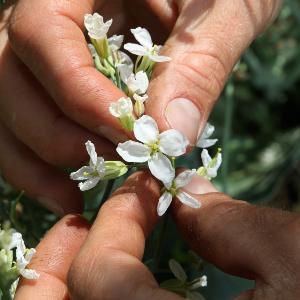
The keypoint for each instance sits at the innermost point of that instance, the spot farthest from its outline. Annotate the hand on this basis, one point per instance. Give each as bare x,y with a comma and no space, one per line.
53,259
245,240
53,99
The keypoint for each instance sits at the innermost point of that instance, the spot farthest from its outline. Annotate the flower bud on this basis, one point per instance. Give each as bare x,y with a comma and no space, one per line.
139,108
114,169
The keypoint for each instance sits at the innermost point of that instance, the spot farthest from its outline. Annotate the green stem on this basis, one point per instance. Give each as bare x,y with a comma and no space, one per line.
229,107
160,242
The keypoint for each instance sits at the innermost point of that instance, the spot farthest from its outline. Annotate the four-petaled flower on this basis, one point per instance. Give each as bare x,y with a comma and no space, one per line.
154,147
23,258
92,174
95,26
146,46
210,165
173,188
204,141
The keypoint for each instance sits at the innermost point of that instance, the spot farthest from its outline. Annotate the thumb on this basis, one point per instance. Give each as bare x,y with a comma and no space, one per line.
207,40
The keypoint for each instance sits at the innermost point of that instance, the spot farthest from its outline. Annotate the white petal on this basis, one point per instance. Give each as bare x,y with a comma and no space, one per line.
164,203
79,174
89,184
115,42
159,58
177,270
161,168
100,166
208,131
173,143
145,130
16,241
142,82
125,59
200,282
136,49
212,171
29,254
142,99
121,108
125,72
29,274
206,159
134,152
206,143
188,200
143,36
90,148
184,178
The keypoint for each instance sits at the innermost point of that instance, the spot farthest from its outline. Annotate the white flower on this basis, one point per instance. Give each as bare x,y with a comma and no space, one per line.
95,26
92,174
115,42
121,108
173,189
137,83
210,165
153,147
24,257
146,47
204,141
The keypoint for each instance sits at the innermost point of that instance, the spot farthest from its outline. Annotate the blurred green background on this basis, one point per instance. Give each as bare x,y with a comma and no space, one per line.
258,125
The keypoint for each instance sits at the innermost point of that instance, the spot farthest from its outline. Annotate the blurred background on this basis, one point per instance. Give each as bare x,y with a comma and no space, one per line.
258,126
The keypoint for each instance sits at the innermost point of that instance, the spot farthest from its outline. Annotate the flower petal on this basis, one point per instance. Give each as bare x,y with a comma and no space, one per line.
125,72
143,36
164,203
142,82
146,130
206,143
161,168
29,274
208,131
125,59
188,200
200,282
206,159
100,166
90,148
159,58
212,171
136,49
89,184
177,270
115,42
173,142
134,151
184,178
79,174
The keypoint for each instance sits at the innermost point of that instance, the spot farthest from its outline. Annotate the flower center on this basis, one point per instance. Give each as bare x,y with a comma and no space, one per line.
154,148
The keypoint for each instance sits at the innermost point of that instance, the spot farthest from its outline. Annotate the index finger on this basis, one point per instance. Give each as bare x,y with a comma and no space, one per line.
53,259
50,41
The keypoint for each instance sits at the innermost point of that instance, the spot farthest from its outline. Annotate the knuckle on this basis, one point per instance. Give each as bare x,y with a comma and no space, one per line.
205,68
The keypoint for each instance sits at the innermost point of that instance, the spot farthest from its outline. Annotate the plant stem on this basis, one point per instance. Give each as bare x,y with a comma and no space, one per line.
161,238
229,106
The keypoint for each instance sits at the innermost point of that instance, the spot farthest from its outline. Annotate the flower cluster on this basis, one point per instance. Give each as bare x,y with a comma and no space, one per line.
157,150
14,258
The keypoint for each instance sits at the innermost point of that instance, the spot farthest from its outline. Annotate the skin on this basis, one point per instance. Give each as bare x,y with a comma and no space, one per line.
241,239
52,99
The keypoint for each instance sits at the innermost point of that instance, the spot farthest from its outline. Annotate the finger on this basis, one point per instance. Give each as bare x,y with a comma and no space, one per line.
57,53
53,259
25,171
239,238
28,112
115,247
207,40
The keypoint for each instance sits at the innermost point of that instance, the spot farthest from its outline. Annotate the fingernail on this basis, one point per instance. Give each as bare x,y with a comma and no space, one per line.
199,186
184,116
51,205
112,134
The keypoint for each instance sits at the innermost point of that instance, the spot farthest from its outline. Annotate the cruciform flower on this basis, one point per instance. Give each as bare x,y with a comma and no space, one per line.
154,147
96,27
146,46
24,257
210,165
173,188
204,141
91,174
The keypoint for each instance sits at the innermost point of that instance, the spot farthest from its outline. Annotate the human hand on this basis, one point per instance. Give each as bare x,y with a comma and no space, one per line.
241,239
52,71
53,259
